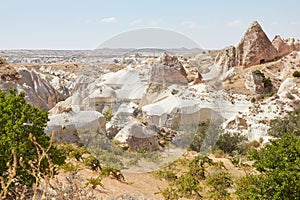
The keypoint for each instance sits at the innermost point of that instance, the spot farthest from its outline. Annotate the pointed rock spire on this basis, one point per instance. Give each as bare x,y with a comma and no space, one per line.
255,47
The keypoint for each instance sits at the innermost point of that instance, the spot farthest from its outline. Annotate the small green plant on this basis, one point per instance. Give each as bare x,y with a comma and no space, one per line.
174,91
166,174
94,182
108,114
92,163
296,74
263,96
69,167
73,151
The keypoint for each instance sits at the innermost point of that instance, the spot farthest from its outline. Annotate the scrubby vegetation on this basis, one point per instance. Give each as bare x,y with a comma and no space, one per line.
30,161
190,180
296,74
281,127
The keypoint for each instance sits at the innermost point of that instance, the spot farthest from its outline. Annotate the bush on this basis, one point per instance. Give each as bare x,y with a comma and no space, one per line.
108,114
229,143
187,185
220,181
278,164
288,125
18,120
296,74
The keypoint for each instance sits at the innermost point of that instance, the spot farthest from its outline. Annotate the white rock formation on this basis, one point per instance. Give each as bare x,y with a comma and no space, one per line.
68,126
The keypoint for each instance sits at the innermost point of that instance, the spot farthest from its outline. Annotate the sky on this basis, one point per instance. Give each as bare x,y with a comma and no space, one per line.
78,24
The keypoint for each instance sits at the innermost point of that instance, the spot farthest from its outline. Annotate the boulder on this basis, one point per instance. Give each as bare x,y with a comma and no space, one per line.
255,47
139,137
7,72
70,127
254,82
286,87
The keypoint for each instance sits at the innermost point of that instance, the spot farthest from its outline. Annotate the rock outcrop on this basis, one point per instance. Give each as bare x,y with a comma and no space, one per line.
38,91
254,82
139,137
286,46
225,61
255,47
7,72
166,72
286,87
70,127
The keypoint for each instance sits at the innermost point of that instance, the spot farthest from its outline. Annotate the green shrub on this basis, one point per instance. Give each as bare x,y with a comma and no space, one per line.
92,163
174,91
19,119
231,143
296,74
187,185
278,164
166,174
108,114
220,181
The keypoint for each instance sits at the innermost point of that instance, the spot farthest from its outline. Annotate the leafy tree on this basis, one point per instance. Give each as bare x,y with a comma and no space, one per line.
19,119
279,164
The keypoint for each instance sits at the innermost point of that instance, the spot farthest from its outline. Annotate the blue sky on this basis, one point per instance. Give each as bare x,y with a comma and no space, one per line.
78,24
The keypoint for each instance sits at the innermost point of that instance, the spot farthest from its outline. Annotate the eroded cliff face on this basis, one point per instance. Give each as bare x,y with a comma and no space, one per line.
39,92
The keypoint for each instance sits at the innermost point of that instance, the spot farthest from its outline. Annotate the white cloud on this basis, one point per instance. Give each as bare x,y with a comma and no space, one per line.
193,25
154,22
135,22
109,20
235,23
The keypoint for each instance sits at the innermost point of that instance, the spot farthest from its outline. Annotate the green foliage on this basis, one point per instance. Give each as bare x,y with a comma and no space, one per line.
296,74
73,151
279,164
174,91
69,167
267,82
92,163
220,181
19,119
166,174
94,182
187,185
108,114
231,143
287,125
